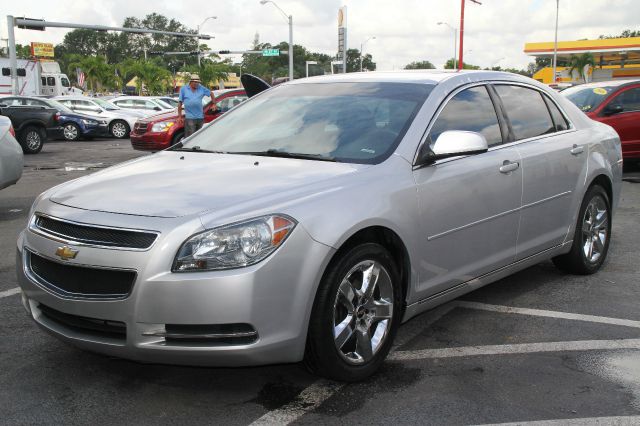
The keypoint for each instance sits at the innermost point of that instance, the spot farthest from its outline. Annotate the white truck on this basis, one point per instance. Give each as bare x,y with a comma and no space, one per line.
35,78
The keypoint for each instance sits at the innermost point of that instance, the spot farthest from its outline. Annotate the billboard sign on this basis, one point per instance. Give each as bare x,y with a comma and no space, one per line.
42,50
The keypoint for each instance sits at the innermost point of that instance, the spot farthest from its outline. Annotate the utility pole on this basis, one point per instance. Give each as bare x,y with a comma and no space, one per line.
460,56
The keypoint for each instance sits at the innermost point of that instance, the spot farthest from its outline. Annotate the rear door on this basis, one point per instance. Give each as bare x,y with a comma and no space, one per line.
469,205
627,122
553,163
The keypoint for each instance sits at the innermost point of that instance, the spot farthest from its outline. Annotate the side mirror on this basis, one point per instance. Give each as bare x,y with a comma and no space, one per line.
453,143
613,109
212,111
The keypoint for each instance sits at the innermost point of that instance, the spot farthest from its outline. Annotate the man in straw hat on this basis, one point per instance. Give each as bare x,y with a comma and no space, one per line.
191,101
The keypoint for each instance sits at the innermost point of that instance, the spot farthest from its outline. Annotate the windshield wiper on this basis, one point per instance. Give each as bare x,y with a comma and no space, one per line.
196,149
285,154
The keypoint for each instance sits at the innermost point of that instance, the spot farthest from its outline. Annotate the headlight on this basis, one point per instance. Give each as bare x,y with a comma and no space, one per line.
89,122
163,126
233,246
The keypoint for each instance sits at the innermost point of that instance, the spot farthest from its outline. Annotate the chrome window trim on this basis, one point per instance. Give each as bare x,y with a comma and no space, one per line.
423,139
48,287
33,227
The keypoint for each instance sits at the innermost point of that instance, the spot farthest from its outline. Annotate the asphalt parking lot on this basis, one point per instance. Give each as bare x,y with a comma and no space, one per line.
539,346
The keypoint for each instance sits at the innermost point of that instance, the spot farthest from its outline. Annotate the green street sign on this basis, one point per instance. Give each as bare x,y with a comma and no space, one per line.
271,52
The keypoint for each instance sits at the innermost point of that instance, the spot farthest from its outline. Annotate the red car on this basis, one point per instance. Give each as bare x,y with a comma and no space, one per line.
616,103
160,131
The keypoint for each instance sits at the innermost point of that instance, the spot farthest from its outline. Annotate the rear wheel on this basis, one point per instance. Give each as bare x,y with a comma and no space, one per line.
355,315
591,237
32,138
71,132
119,129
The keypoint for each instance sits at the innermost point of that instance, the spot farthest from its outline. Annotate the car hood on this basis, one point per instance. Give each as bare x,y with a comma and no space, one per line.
173,184
161,116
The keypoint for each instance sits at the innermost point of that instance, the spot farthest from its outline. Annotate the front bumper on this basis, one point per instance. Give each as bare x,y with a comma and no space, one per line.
275,297
151,141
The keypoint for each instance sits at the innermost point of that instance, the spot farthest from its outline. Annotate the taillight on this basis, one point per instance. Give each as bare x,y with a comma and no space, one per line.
56,117
13,132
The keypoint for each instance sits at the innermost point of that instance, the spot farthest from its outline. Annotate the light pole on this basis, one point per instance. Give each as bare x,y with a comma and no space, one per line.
198,33
362,47
455,41
290,20
306,66
555,43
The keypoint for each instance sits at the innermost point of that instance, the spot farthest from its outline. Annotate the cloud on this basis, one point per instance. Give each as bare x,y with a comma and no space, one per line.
405,30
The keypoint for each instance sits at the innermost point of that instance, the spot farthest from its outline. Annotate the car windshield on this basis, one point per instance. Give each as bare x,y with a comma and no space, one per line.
106,105
587,98
348,122
57,105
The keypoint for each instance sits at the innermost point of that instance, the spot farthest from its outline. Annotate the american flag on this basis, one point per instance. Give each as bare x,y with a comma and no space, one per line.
80,76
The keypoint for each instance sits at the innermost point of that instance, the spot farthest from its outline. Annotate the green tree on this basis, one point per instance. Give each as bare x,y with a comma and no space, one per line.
353,61
420,65
578,62
210,72
152,78
624,34
98,74
449,65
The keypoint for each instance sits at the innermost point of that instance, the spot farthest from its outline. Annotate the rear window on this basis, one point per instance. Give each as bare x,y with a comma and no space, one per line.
526,110
559,120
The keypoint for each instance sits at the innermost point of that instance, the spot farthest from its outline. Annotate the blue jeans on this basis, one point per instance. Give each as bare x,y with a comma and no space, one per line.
192,125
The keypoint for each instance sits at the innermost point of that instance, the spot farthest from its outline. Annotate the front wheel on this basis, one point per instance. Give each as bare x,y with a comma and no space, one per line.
591,237
356,314
119,129
71,132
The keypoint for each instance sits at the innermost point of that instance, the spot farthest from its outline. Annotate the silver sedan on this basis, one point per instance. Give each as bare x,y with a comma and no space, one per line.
11,158
309,222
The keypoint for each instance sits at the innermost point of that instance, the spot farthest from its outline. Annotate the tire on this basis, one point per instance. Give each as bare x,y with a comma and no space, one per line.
119,129
177,138
341,310
589,251
71,132
32,139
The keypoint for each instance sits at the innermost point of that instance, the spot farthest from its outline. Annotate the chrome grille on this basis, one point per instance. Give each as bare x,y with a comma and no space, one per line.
94,235
140,128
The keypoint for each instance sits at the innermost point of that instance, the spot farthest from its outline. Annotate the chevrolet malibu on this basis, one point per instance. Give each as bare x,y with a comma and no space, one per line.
309,222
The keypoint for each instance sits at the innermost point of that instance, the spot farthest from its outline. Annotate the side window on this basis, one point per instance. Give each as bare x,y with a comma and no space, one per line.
51,81
43,80
471,110
12,101
124,103
149,105
35,102
526,110
629,99
559,119
65,82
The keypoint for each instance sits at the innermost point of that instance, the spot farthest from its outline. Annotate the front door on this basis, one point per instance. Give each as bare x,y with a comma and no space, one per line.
469,206
627,122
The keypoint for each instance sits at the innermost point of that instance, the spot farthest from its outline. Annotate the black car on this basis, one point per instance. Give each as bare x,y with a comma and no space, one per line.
74,125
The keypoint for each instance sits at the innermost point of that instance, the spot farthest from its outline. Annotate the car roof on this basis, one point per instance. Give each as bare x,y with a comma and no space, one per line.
412,76
610,83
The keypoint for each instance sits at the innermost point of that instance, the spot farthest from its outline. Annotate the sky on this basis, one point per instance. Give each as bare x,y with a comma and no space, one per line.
404,30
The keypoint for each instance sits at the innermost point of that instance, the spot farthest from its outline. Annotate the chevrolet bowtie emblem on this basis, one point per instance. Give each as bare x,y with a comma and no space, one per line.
66,253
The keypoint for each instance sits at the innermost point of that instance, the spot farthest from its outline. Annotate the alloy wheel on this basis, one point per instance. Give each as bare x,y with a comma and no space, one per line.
119,130
33,140
595,229
362,312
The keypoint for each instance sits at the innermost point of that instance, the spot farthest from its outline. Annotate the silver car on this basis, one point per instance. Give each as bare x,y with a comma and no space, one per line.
119,121
11,158
144,104
310,221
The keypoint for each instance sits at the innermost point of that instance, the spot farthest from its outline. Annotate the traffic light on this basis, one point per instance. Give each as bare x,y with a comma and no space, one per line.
31,27
224,52
155,53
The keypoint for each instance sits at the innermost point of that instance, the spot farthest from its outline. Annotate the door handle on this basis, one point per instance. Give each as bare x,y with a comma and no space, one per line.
577,150
508,166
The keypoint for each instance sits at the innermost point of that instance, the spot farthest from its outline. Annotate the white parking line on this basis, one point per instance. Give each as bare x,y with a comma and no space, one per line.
309,399
588,421
550,314
522,348
10,292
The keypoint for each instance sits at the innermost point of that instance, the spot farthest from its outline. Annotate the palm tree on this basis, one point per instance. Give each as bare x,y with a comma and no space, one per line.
579,62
